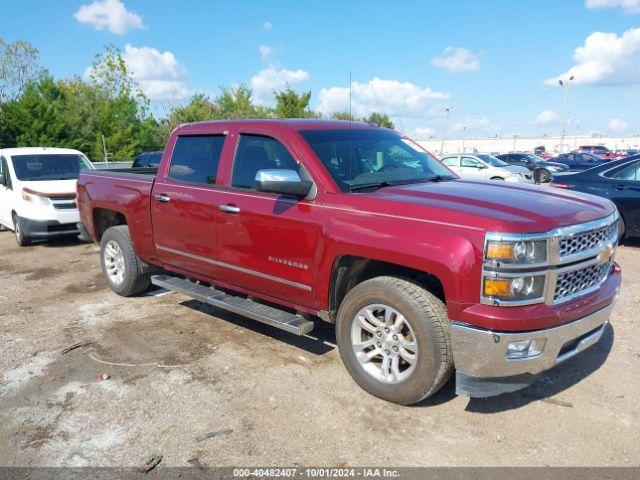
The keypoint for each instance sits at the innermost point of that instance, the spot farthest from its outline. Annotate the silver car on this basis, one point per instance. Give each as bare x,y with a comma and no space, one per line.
480,166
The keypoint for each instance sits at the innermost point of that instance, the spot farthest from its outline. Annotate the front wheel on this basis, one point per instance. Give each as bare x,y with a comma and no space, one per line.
393,338
121,267
22,239
497,178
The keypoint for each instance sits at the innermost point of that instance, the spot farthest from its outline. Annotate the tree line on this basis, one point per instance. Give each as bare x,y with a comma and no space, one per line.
107,112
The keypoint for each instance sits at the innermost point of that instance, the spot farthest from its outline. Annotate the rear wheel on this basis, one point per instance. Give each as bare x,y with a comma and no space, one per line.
393,338
22,239
121,267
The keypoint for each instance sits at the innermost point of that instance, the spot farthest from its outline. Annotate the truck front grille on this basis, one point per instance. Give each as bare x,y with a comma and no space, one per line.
578,281
582,242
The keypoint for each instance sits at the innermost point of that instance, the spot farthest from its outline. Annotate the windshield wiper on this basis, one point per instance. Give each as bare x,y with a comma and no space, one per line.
393,183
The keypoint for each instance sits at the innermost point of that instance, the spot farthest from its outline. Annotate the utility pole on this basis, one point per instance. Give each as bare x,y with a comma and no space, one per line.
444,132
104,147
565,99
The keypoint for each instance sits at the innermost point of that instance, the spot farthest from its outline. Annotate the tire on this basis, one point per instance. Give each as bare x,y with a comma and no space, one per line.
21,238
622,230
544,176
497,178
425,321
121,267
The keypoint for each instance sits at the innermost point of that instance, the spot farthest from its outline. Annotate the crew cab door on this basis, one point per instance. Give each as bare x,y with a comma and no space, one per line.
184,203
6,195
267,242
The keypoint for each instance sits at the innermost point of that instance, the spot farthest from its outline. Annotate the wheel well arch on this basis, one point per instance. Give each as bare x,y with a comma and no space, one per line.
348,271
104,218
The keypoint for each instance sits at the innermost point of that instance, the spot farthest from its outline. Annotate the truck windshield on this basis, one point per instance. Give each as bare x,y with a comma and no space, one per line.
48,166
360,158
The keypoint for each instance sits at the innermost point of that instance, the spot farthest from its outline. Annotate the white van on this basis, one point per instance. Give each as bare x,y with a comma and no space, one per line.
480,166
38,191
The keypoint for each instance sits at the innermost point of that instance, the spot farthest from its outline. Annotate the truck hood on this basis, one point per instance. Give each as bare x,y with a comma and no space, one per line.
52,187
495,205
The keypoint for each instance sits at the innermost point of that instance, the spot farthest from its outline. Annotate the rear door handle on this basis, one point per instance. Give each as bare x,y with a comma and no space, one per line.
162,198
229,208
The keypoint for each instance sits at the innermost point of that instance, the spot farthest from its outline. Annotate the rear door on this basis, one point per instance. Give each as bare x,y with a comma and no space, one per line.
6,195
184,203
267,242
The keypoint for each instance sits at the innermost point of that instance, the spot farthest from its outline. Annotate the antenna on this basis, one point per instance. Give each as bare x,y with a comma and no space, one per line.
350,100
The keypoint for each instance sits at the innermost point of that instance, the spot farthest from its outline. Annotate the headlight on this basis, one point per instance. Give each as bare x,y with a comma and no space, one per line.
525,251
553,169
513,288
32,197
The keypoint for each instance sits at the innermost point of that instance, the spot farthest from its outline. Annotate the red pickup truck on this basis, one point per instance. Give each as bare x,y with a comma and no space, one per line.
290,222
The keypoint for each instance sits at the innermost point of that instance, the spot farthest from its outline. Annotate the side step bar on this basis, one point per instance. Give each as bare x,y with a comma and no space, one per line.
263,313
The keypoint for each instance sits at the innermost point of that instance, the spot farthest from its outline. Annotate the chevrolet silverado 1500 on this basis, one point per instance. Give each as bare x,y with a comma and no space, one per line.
293,221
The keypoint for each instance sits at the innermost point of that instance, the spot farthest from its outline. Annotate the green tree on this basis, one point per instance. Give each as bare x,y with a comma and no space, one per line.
380,119
18,66
35,118
199,108
345,116
237,102
291,105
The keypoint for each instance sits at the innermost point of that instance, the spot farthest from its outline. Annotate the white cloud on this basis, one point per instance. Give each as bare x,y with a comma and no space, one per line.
606,59
159,74
456,60
617,125
266,51
472,124
547,117
111,14
396,99
422,133
274,78
629,6
267,26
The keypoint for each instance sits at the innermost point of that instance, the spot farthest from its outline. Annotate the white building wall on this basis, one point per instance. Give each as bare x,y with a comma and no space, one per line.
505,145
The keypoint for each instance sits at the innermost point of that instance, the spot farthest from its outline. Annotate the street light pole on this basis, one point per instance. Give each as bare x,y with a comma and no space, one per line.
565,100
444,132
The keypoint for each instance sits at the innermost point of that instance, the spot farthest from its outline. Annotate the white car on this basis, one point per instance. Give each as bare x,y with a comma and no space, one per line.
38,191
480,166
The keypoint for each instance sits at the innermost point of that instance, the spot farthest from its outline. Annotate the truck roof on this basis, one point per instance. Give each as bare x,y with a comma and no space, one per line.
292,123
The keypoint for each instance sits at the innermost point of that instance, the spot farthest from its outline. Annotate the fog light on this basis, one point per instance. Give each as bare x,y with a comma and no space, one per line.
525,349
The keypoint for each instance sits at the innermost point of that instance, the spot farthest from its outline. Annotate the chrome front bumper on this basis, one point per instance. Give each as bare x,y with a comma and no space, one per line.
482,354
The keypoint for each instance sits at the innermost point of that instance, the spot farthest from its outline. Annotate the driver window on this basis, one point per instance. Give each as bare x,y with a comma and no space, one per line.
470,162
256,152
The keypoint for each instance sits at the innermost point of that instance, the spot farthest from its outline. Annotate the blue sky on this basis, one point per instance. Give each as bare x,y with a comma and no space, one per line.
487,60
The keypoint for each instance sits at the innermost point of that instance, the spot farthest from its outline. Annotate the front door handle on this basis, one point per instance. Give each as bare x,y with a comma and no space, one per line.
620,187
162,198
229,208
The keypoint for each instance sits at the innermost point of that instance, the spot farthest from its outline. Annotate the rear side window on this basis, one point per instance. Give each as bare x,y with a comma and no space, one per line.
259,153
195,159
4,168
629,173
450,161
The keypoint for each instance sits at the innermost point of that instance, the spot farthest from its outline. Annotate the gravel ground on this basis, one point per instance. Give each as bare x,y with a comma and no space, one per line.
178,369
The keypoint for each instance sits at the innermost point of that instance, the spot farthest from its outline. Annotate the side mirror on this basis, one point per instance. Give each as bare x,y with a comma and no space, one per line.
3,179
282,181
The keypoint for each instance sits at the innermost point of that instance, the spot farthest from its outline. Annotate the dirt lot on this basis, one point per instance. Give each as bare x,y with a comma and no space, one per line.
179,369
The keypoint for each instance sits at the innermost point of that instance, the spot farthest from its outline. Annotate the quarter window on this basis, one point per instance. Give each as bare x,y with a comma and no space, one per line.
256,152
195,159
629,173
